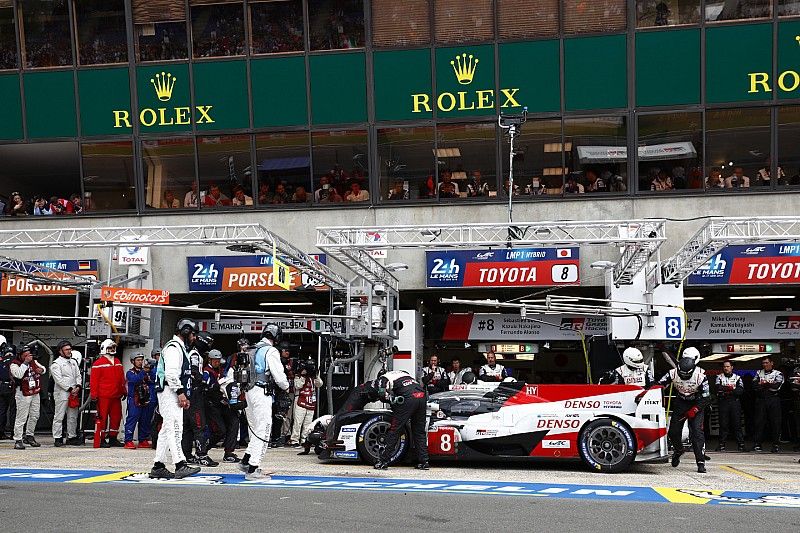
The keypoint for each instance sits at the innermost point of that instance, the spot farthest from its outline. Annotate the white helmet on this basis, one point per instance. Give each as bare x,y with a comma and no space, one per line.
3,342
692,352
108,347
633,358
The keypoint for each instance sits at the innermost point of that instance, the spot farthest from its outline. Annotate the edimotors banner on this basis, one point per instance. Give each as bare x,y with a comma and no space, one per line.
518,267
134,296
16,286
239,273
764,264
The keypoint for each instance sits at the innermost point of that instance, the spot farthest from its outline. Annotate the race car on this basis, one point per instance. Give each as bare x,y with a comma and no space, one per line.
608,427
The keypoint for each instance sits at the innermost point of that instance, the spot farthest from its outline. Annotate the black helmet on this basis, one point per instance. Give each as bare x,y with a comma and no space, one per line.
186,326
62,344
686,367
273,332
284,345
468,378
204,341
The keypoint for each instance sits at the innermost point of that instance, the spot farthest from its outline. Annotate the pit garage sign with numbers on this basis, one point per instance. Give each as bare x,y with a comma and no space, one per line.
518,267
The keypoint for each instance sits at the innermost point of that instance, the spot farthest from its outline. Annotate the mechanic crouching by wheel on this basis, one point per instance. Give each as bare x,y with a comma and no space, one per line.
409,402
194,418
692,395
633,372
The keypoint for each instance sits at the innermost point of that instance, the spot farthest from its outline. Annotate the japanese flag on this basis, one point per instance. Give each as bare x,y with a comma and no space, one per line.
563,252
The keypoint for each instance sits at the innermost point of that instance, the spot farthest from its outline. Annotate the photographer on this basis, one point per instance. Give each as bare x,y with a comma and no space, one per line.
306,384
223,421
194,418
27,373
67,395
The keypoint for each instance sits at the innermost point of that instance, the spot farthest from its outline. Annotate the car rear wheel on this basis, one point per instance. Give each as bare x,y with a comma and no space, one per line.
607,445
371,440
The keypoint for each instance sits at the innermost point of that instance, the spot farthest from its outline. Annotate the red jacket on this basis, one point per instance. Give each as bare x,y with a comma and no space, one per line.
107,380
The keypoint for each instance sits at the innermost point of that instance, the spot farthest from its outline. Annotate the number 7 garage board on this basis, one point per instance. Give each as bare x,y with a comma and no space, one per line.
515,267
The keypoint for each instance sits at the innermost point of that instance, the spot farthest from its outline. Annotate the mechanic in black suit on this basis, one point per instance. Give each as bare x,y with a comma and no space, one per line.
409,402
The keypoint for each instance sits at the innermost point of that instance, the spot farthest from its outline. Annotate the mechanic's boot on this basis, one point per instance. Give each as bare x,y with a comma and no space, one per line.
244,466
676,459
257,475
130,445
191,459
74,441
757,448
741,448
144,444
205,460
19,445
183,470
720,448
775,448
701,468
159,471
230,458
113,442
380,465
706,457
30,441
423,466
58,443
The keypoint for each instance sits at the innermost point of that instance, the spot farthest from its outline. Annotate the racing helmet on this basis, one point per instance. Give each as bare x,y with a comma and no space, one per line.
692,352
136,356
62,344
3,343
468,378
633,358
155,351
204,341
108,347
273,332
214,354
686,367
186,326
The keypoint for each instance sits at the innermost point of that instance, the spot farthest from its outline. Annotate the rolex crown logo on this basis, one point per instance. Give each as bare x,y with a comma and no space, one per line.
164,83
464,66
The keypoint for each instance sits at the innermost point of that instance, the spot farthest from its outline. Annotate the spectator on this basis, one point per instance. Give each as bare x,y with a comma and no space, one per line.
434,378
492,371
572,186
764,176
139,399
191,198
27,373
448,189
356,193
170,202
41,207
679,178
215,198
399,191
456,374
66,393
107,387
427,188
264,194
240,198
662,182
737,179
17,207
476,186
326,193
300,195
505,187
616,183
306,384
61,206
280,196
593,182
77,203
714,180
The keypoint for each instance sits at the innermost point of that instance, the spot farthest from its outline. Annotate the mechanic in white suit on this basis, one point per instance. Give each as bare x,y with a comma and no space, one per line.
67,383
633,372
269,374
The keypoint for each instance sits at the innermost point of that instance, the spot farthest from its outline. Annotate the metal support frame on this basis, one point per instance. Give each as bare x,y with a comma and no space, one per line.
718,233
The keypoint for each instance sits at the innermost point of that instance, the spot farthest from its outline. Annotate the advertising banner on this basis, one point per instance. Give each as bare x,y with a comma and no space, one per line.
518,267
760,264
230,326
16,286
239,273
134,296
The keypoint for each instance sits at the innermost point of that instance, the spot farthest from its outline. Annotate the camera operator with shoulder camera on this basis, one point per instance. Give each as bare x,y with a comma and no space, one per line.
409,402
27,373
194,418
306,383
223,421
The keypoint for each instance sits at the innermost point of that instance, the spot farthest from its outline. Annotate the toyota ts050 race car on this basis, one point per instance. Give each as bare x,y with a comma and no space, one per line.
608,427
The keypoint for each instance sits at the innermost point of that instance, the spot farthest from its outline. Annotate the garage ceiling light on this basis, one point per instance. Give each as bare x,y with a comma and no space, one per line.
748,357
765,297
285,304
693,298
734,310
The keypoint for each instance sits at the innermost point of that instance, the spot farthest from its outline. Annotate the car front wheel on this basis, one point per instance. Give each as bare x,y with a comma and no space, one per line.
607,445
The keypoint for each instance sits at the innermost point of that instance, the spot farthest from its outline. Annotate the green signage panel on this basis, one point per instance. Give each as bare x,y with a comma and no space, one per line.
530,73
402,84
50,104
104,95
221,88
739,63
787,84
11,110
671,78
279,104
465,85
338,88
164,102
596,72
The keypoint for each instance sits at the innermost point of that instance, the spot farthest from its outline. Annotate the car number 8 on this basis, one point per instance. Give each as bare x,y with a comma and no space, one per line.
446,442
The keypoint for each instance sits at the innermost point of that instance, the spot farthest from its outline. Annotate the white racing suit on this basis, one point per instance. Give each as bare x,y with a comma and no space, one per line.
624,375
267,361
66,376
173,375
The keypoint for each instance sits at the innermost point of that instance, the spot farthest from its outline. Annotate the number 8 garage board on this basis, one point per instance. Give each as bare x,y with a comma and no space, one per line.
516,267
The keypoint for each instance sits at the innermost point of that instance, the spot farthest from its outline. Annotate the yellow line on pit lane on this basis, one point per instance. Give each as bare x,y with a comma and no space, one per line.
116,476
742,473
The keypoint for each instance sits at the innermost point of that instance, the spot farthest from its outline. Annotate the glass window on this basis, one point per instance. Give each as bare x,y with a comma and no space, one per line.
717,10
466,156
670,151
40,178
594,16
45,26
169,172
277,26
788,149
336,24
108,176
788,8
218,30
226,174
539,159
404,23
284,168
102,37
460,22
519,19
737,146
597,159
8,40
407,163
340,166
162,41
667,12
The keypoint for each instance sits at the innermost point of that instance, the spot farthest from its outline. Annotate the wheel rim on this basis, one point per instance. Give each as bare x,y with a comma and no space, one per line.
607,445
375,438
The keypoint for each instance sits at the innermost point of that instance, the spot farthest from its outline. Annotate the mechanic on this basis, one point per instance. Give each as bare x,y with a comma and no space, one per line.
286,419
67,395
729,393
492,371
6,386
194,418
409,402
306,384
434,377
268,373
767,383
155,416
633,372
223,422
27,373
107,388
692,395
138,403
794,380
456,374
173,383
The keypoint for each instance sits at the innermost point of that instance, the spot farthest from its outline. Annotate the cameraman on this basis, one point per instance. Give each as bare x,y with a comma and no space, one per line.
27,373
223,422
306,384
194,418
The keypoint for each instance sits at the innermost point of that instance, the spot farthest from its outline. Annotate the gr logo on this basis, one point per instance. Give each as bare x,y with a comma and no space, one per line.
787,322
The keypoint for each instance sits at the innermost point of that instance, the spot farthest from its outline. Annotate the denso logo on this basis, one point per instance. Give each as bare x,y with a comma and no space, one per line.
558,424
787,322
582,404
754,251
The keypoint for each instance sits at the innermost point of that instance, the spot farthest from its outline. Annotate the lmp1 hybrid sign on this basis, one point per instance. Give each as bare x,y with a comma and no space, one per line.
517,267
757,264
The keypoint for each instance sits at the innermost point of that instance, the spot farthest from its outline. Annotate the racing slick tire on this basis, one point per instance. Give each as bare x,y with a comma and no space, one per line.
371,436
607,445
